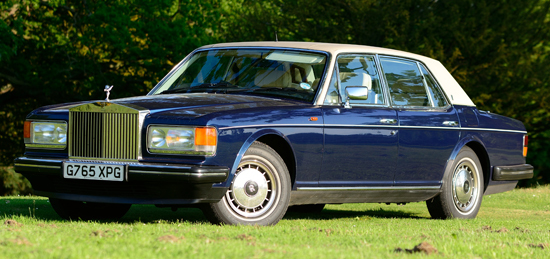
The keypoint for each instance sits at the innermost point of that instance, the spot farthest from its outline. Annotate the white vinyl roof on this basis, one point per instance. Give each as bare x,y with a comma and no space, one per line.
457,96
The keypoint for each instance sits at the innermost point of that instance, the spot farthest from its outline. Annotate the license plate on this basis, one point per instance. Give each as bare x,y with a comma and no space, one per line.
91,171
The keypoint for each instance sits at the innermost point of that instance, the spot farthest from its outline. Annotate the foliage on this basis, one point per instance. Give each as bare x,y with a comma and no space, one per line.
62,51
13,183
509,225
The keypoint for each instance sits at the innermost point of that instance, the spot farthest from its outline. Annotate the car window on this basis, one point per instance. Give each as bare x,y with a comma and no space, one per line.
277,73
433,90
333,98
405,83
360,70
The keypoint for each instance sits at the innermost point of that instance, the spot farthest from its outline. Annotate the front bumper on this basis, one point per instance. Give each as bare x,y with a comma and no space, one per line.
146,183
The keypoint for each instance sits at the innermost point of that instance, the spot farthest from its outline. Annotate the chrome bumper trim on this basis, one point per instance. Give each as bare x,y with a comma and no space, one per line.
513,172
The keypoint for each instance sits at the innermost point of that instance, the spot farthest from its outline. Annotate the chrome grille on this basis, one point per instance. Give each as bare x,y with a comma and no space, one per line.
103,136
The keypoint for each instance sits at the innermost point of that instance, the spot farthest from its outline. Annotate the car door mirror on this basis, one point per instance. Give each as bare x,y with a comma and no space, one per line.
356,93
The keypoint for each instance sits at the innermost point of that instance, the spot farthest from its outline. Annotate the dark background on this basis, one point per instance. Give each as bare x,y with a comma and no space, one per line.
61,51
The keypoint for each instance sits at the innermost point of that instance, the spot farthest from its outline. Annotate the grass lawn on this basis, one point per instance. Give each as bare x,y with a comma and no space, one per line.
509,225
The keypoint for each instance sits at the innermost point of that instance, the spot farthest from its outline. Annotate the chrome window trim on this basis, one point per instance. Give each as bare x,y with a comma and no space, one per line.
425,82
381,79
406,107
437,84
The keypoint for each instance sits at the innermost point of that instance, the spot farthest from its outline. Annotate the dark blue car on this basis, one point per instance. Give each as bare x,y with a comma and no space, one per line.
245,130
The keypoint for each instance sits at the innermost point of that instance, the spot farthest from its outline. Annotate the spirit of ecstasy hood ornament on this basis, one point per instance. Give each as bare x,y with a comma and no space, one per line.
108,90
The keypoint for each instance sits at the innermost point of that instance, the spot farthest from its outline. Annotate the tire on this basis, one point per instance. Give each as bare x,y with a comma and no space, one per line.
75,210
259,193
307,208
462,189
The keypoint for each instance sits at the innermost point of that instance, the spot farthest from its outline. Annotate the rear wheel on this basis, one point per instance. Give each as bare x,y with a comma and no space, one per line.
75,210
259,193
462,189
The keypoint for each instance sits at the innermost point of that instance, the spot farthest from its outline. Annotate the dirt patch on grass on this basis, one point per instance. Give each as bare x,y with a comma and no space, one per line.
502,230
245,237
326,231
45,225
12,223
16,241
489,228
486,228
103,233
541,245
171,239
423,247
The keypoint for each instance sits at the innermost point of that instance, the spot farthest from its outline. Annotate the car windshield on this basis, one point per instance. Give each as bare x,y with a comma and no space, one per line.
279,73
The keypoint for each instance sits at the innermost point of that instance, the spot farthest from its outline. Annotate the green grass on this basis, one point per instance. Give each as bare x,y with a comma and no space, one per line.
509,225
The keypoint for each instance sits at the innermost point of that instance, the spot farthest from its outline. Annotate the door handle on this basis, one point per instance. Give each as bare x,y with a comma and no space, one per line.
388,121
450,123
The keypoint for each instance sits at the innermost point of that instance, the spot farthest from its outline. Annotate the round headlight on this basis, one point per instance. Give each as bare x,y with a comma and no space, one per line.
158,138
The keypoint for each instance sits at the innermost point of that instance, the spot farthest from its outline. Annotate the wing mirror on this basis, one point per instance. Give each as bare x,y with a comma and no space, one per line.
356,93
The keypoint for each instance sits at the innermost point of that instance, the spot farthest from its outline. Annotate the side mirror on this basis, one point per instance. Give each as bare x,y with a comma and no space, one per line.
356,93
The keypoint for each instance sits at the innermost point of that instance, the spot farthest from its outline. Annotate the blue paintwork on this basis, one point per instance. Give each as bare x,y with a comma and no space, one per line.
344,147
424,149
359,156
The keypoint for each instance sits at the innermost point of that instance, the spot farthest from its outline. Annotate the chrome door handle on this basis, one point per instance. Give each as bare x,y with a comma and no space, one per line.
450,123
388,121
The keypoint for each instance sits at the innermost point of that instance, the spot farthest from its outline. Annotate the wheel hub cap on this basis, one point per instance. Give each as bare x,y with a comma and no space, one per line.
250,188
462,184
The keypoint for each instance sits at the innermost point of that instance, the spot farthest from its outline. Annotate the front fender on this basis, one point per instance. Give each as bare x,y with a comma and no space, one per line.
247,143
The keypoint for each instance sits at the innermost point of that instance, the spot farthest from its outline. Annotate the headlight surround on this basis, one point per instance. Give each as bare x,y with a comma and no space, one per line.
186,140
45,134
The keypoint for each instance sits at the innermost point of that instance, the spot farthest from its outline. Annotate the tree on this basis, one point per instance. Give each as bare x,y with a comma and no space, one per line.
63,51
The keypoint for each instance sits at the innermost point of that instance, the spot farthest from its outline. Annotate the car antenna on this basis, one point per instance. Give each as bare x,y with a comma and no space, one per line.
276,38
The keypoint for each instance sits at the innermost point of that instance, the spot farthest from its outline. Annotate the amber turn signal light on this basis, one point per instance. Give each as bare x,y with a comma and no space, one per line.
27,129
206,136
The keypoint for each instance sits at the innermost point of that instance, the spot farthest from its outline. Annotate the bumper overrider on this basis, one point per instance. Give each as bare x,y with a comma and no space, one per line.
144,183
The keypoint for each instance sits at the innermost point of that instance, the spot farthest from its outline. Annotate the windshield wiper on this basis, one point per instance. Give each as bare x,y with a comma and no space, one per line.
222,86
276,89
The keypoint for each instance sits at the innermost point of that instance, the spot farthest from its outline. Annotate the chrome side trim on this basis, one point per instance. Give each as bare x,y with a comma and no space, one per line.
362,188
429,127
369,126
499,130
271,125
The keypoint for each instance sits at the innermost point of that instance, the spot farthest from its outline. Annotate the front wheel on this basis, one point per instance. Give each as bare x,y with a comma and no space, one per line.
462,189
259,193
76,210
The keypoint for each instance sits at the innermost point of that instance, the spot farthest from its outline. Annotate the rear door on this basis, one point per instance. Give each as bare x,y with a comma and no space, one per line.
428,125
